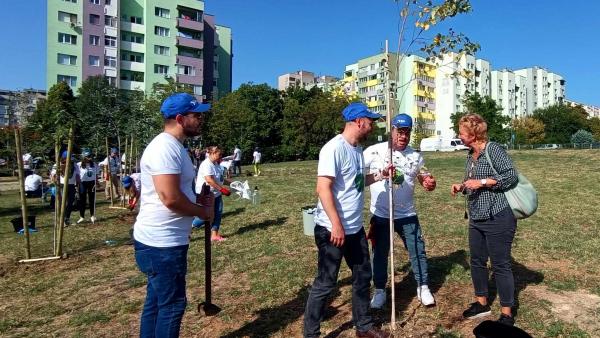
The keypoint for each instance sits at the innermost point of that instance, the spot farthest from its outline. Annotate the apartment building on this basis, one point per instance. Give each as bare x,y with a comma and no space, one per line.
136,43
16,106
592,111
543,88
306,80
509,92
416,92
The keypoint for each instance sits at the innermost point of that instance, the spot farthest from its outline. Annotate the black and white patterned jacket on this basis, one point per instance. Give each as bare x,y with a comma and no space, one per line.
486,202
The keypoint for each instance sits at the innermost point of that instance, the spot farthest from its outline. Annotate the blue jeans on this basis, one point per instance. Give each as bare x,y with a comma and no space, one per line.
492,238
356,253
216,223
410,231
165,293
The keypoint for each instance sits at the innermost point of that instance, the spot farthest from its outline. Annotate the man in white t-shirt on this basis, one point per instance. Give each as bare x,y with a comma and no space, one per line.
33,185
167,206
112,163
237,161
256,156
339,231
409,168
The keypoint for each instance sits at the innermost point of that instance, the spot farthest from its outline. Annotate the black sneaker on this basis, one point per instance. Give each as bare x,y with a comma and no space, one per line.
476,310
506,320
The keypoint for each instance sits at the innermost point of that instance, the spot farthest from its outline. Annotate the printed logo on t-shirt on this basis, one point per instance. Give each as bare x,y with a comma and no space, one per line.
359,181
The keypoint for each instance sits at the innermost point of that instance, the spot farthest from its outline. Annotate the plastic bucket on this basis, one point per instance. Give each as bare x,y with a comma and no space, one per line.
308,219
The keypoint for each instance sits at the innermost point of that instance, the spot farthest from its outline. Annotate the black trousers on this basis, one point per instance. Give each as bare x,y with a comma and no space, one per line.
356,253
492,238
87,191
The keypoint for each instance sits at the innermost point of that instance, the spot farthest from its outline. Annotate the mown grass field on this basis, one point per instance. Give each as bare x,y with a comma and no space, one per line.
262,273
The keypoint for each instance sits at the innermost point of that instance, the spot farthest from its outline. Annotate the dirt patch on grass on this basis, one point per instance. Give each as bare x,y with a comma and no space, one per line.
578,307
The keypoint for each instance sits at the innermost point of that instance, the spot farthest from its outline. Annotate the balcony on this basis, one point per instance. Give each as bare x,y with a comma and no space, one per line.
131,85
191,43
190,61
133,66
132,46
190,24
133,27
190,79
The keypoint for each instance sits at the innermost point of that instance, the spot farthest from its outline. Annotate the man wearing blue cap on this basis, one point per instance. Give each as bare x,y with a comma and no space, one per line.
162,229
339,231
409,167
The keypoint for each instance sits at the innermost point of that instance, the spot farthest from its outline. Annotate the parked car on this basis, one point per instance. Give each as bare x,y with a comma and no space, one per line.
548,146
441,144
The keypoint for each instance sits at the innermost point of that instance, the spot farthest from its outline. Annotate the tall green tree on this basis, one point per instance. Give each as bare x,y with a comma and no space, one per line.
560,122
491,113
100,114
52,118
594,124
248,117
310,119
528,130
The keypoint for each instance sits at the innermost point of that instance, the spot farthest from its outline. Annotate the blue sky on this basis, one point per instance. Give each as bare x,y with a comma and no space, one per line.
272,37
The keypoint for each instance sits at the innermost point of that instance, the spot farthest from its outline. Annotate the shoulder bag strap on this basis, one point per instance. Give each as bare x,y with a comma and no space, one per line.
487,156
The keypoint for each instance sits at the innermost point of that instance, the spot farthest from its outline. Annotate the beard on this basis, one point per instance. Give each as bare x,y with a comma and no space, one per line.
191,130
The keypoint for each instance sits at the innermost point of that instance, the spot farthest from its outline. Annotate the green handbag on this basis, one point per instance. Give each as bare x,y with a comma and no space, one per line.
522,198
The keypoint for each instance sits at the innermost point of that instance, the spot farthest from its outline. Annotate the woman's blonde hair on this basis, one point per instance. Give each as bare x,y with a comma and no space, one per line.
475,125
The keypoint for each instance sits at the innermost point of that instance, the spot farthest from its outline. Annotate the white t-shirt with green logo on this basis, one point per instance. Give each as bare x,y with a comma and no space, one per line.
344,162
407,162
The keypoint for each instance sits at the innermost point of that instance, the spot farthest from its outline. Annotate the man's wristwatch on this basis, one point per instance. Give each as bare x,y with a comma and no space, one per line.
484,182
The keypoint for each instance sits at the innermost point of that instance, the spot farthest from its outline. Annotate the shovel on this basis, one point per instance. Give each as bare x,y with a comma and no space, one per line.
207,306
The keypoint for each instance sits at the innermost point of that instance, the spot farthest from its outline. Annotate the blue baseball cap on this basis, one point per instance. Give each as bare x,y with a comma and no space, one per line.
127,180
357,110
181,103
63,155
402,121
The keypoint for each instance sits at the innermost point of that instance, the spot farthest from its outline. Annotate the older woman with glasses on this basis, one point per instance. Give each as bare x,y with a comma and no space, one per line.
492,224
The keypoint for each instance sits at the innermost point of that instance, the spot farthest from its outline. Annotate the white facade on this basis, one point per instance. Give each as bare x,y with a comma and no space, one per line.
593,111
543,88
300,78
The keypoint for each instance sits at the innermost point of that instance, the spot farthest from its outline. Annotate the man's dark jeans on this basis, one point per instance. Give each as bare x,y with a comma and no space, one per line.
356,253
165,295
493,238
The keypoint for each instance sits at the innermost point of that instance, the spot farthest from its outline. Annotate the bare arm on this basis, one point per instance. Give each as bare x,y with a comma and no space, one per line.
212,182
167,188
325,193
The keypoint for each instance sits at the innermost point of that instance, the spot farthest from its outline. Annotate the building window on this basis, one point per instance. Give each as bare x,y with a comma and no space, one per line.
95,2
70,80
132,37
186,70
94,60
94,19
110,61
67,38
135,19
110,41
107,2
110,21
94,40
73,1
112,80
161,69
197,90
162,12
65,59
161,31
162,50
132,57
67,17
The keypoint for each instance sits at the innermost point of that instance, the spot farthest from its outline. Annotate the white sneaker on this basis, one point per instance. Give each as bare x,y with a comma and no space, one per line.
81,219
379,299
93,219
425,296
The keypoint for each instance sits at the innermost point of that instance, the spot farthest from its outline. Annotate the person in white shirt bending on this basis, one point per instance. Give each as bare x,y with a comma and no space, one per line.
33,185
211,173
